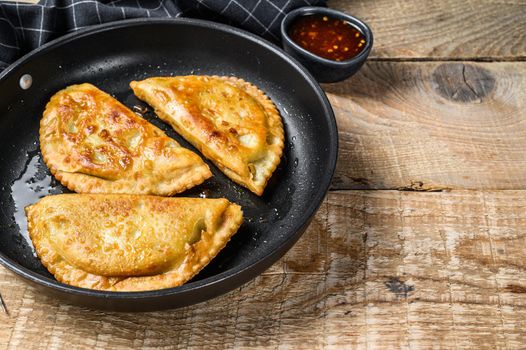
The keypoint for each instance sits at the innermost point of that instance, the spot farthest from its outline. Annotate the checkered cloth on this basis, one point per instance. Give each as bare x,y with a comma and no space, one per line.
24,27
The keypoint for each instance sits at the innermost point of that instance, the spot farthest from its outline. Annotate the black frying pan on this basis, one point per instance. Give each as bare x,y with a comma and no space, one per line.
112,55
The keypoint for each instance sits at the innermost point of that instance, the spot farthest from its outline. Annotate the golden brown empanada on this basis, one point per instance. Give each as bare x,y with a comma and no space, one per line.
121,242
94,144
230,121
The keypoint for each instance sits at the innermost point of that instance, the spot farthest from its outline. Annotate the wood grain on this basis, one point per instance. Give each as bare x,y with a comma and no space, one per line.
376,269
432,125
441,30
447,29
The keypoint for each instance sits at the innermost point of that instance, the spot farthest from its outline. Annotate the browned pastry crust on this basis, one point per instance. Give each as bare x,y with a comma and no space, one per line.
119,242
230,121
94,144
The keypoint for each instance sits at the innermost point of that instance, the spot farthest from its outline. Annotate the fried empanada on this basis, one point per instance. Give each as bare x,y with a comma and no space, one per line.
230,121
94,144
120,242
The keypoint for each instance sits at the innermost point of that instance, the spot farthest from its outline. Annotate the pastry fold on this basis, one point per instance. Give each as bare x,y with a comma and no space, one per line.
232,122
120,242
94,144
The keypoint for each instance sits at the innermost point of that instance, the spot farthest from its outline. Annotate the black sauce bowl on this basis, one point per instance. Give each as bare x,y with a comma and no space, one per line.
323,69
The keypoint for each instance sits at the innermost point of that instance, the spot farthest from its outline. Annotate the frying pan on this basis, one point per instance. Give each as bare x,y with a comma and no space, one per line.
112,55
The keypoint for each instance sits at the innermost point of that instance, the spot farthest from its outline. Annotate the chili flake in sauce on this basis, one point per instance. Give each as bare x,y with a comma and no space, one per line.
328,37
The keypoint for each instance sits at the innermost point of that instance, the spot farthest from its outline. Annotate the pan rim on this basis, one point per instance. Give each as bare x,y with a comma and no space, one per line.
239,274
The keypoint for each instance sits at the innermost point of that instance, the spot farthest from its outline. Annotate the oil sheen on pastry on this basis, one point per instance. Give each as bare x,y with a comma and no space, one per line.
121,242
230,121
94,144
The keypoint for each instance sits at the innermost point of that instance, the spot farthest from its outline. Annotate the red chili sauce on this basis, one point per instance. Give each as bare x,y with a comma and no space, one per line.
328,37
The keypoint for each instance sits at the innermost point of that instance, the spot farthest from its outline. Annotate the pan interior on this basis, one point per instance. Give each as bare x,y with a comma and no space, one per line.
110,59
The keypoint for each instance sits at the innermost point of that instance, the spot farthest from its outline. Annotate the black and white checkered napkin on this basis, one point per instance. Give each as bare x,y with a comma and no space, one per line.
24,27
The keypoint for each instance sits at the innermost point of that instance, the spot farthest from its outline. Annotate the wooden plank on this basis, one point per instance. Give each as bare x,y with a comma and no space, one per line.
432,125
376,269
447,29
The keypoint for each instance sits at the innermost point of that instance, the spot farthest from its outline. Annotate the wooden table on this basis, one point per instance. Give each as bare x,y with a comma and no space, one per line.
422,241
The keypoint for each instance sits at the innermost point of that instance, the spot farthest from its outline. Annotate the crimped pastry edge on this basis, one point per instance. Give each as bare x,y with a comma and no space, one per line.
198,174
191,266
270,110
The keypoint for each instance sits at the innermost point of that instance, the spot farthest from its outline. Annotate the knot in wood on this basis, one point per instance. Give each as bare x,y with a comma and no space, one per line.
398,287
462,82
